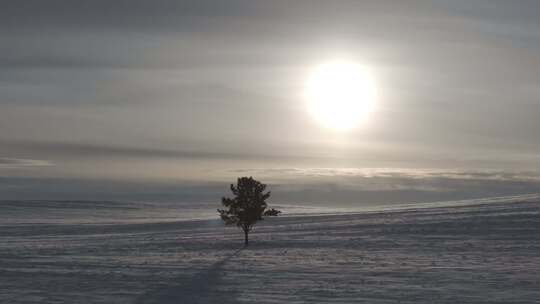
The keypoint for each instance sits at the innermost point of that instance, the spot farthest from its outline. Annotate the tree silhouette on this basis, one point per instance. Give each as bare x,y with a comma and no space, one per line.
248,205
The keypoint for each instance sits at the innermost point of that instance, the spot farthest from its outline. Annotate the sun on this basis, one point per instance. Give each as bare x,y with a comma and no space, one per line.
340,94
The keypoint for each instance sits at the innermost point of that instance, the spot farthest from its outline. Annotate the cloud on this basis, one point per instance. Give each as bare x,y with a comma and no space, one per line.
37,188
372,186
417,174
16,163
131,82
333,187
83,150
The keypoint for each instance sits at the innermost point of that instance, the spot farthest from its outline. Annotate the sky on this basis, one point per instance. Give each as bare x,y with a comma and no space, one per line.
172,100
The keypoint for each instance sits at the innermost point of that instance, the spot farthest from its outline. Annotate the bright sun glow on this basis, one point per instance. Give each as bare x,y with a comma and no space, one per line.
340,94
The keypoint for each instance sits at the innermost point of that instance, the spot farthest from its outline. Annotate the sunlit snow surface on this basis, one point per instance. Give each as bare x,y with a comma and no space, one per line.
483,251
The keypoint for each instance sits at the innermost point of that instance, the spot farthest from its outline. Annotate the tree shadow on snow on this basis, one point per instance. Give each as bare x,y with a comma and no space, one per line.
201,288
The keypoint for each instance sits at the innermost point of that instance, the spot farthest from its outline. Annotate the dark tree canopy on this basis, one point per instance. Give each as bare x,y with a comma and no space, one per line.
247,206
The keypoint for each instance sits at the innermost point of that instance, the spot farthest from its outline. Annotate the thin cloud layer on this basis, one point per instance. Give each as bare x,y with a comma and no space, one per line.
186,90
310,187
16,163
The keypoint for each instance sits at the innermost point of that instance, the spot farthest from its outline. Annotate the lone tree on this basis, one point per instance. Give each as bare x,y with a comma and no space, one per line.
248,205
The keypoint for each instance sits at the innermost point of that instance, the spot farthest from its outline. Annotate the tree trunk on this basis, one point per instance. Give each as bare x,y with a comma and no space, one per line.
246,237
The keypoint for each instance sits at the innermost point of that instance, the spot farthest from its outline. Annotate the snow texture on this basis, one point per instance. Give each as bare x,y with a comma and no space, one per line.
479,253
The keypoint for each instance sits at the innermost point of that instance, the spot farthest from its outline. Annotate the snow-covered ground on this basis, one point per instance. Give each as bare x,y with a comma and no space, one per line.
470,253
